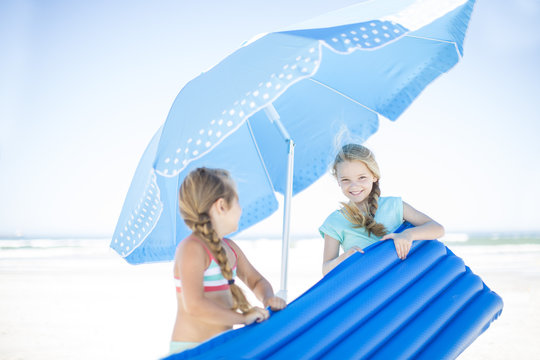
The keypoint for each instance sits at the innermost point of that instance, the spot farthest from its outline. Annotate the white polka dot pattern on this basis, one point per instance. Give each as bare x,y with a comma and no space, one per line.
141,221
304,65
367,36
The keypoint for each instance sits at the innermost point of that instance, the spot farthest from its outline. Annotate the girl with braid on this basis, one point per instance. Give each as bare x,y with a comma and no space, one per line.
368,217
206,264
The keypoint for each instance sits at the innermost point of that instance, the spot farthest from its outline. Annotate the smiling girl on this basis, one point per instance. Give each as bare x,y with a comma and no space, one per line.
368,217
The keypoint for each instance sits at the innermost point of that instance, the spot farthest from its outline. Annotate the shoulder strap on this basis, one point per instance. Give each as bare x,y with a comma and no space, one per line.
234,252
205,248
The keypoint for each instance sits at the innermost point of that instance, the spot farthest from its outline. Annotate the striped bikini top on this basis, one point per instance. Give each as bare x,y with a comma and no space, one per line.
213,278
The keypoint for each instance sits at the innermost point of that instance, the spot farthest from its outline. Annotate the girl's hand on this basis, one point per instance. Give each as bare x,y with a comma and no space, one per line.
275,303
256,314
352,251
402,243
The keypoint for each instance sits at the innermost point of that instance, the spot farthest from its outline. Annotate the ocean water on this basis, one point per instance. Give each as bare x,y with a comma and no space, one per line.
47,255
304,265
489,239
10,247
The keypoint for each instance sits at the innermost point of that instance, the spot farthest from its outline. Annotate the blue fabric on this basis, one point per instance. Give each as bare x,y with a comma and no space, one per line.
373,305
328,80
336,225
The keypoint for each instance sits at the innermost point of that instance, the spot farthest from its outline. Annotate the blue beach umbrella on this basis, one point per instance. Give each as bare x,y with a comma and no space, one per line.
271,112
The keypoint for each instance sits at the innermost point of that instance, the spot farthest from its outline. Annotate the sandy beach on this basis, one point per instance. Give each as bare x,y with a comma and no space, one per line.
80,300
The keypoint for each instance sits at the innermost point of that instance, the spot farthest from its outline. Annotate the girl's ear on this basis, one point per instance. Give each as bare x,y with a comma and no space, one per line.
220,205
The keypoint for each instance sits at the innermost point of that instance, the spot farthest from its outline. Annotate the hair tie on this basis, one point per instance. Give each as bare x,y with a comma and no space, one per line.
230,281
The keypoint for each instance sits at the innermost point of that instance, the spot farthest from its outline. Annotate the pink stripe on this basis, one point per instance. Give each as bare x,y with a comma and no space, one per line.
220,287
209,288
234,252
212,256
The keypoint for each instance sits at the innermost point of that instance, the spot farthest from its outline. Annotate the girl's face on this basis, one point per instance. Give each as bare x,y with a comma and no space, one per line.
225,216
232,217
355,180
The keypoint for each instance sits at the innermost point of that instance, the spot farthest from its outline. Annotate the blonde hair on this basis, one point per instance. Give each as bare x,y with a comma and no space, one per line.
366,218
199,191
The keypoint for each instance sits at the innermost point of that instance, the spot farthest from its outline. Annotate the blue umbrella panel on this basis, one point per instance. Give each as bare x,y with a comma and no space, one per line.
331,76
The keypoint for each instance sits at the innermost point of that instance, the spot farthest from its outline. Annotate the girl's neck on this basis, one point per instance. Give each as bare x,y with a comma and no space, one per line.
220,235
218,230
363,207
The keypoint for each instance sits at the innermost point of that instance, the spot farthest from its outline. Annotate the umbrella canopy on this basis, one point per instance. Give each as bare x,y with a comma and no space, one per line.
331,75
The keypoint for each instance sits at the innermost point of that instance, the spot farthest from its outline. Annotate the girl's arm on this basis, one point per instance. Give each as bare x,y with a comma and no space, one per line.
191,264
331,252
425,229
256,282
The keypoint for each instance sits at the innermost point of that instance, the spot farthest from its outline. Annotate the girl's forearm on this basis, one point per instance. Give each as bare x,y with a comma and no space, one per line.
263,290
331,264
428,231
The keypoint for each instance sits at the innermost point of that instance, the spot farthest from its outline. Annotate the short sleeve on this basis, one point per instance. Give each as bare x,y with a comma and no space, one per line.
329,228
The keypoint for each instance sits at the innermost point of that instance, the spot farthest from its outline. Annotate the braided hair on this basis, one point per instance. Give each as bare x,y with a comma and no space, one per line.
365,217
199,191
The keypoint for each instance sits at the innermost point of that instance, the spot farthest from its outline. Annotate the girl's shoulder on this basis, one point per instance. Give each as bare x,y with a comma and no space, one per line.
190,239
335,220
385,203
189,251
232,244
191,246
390,201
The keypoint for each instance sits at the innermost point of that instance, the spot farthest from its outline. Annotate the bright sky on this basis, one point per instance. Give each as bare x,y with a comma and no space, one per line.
84,86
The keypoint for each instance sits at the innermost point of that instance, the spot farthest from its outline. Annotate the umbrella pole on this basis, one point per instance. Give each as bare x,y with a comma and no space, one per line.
273,115
286,222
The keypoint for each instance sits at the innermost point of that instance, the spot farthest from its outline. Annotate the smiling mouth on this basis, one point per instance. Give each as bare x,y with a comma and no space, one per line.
355,193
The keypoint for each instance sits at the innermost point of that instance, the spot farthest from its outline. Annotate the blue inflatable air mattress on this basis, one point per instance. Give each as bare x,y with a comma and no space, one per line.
372,306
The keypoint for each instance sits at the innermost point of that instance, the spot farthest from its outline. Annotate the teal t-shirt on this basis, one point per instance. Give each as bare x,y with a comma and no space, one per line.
389,213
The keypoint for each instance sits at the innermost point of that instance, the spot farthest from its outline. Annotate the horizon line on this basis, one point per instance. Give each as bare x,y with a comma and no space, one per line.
240,236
